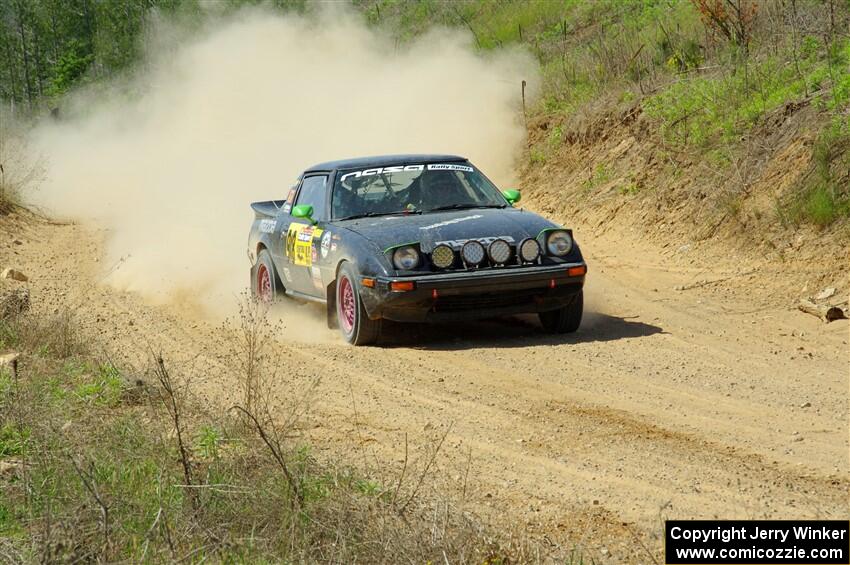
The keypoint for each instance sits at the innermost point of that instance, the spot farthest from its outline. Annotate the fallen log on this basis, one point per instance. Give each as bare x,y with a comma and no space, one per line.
823,311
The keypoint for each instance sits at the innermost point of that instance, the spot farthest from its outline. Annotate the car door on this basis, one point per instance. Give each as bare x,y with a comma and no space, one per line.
302,237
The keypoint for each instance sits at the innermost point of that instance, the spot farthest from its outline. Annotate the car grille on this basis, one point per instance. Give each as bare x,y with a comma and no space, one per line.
462,302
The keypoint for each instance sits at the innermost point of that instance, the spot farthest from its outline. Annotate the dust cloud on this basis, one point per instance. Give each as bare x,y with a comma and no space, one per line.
167,161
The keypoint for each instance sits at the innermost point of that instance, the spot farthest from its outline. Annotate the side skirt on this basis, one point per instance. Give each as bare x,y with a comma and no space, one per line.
301,296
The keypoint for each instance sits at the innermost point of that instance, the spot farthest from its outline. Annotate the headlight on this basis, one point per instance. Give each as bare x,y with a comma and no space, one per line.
529,250
472,252
405,258
442,256
499,251
559,243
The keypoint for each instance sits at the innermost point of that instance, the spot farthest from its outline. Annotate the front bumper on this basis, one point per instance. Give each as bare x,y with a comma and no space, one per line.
474,294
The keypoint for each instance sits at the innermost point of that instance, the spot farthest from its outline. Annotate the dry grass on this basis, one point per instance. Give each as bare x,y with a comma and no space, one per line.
101,465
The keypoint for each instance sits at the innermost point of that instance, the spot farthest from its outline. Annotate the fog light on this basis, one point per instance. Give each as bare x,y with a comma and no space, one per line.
499,251
529,250
442,256
472,252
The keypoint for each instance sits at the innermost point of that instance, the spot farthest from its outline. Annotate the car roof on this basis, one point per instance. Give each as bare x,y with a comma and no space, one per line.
383,161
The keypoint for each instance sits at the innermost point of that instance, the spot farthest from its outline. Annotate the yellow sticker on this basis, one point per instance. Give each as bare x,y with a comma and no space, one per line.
299,243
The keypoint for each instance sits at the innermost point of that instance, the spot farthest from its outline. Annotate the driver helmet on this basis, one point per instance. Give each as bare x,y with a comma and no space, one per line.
438,186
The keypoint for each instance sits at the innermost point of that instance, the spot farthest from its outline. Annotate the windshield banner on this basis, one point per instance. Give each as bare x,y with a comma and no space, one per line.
406,168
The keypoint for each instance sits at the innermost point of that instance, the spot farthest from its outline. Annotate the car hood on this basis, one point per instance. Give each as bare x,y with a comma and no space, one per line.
453,227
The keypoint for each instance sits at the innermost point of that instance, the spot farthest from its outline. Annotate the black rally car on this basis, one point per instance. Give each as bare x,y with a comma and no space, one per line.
412,238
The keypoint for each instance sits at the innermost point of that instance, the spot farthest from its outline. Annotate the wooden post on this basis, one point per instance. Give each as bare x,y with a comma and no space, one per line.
524,115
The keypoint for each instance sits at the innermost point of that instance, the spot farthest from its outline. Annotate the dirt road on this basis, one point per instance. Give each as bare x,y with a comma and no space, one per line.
667,403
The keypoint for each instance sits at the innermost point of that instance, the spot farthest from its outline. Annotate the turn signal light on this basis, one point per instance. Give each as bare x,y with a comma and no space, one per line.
368,283
402,286
577,271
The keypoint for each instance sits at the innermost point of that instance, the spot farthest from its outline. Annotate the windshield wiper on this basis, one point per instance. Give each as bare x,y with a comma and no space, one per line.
465,206
373,214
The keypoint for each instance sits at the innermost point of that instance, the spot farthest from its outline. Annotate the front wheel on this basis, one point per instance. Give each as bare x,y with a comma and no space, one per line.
354,323
564,320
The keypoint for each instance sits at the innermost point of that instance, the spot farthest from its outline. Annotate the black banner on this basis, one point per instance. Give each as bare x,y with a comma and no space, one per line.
762,542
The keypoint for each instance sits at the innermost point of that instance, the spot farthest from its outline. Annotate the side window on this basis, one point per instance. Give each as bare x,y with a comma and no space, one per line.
313,193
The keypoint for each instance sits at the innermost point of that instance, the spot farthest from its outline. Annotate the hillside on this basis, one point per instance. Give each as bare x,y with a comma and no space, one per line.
660,121
710,124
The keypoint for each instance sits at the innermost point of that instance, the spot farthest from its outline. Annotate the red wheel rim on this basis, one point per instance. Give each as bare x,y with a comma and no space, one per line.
347,305
264,284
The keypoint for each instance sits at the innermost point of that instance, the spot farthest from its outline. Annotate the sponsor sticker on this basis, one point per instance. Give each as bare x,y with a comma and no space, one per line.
406,168
449,167
299,244
267,226
326,244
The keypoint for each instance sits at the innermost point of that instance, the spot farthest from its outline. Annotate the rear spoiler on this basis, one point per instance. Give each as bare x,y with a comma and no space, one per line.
267,209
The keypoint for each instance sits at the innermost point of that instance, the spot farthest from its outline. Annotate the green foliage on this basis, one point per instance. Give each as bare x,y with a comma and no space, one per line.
821,207
13,440
103,388
368,487
208,441
601,175
629,189
824,197
70,67
711,110
536,156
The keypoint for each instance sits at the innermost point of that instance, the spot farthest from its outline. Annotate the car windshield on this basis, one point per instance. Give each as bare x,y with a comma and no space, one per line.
412,189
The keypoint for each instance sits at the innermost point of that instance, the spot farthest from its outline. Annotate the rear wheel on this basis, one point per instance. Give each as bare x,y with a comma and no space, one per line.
564,320
266,284
354,323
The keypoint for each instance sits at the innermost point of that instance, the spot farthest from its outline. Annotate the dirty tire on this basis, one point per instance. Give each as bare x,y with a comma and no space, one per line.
564,320
265,284
354,325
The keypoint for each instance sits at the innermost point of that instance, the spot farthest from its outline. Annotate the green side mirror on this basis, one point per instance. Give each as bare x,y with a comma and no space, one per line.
512,195
304,211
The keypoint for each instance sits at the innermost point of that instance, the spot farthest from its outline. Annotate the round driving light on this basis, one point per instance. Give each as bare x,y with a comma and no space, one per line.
405,258
472,252
442,256
499,251
529,250
559,243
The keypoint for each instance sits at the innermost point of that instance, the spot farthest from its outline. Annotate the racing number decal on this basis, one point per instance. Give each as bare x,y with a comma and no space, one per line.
299,243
